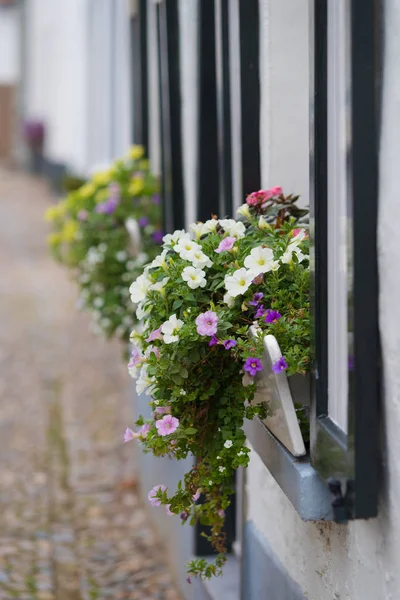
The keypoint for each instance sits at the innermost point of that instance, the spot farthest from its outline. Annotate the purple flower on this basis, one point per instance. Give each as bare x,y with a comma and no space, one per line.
272,316
156,199
214,341
228,344
169,511
107,207
184,515
252,365
280,365
225,245
167,425
157,236
260,312
221,513
259,279
128,435
114,189
143,221
143,431
256,299
155,335
152,495
207,323
188,580
163,410
136,358
196,495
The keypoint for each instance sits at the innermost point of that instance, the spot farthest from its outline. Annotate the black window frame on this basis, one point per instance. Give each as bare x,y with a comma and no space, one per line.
139,71
350,461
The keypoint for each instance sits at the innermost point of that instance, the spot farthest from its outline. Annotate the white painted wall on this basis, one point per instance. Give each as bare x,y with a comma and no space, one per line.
9,45
360,561
77,55
284,81
153,90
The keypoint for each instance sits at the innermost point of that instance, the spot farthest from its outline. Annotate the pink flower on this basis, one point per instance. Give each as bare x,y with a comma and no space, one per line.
152,495
275,191
155,350
225,245
196,495
167,425
83,215
163,410
136,358
155,335
221,513
258,198
169,512
129,435
143,431
207,323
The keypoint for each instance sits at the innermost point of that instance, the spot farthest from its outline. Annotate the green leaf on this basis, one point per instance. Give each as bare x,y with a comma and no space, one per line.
190,431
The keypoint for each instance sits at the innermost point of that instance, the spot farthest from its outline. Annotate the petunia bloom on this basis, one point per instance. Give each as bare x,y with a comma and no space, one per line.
280,365
252,365
167,425
143,221
272,316
261,260
260,312
170,329
197,495
214,340
129,435
256,299
163,410
228,344
157,236
194,277
225,245
207,323
239,282
152,495
155,335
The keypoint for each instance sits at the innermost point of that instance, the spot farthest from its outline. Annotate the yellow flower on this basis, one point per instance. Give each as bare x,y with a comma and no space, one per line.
136,186
101,178
136,152
87,190
101,195
55,212
69,231
54,239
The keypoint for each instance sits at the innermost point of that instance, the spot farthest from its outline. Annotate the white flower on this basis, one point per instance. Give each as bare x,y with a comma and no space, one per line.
102,247
142,259
197,229
160,285
233,228
244,211
141,312
136,339
261,260
287,256
228,444
262,223
139,288
239,282
98,302
84,278
144,382
218,458
160,261
171,239
221,469
183,393
229,300
170,328
241,453
201,260
121,256
93,256
211,225
299,237
194,277
210,482
156,402
186,248
97,288
131,264
105,323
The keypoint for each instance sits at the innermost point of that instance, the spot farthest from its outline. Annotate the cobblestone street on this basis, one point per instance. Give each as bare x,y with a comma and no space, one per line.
71,525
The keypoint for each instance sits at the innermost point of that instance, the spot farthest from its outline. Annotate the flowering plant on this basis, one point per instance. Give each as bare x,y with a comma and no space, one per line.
198,299
106,230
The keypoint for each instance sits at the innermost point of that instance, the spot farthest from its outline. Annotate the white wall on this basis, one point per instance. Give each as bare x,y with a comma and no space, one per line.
284,79
9,48
77,55
360,561
153,89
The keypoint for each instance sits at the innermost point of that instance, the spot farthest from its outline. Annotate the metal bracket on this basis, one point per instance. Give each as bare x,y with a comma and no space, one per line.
342,505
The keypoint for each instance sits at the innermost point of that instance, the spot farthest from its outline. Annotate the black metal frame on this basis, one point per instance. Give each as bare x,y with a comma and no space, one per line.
140,125
170,112
250,95
353,460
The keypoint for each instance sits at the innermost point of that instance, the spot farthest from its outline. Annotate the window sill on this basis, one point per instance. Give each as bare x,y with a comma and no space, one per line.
301,483
226,587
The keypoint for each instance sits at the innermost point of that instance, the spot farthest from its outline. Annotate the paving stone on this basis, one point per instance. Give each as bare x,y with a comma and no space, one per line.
71,523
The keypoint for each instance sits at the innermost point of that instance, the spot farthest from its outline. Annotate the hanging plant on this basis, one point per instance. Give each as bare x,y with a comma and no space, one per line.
198,300
105,231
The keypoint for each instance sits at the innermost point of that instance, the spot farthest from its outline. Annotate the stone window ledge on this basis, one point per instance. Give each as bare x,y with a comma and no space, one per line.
301,483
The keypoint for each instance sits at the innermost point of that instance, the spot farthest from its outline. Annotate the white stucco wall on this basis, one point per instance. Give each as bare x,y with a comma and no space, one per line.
9,45
77,69
360,561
